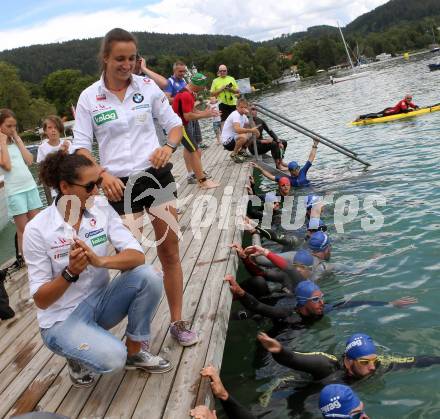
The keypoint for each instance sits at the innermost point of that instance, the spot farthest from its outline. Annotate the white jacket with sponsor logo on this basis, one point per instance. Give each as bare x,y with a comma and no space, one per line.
46,244
124,130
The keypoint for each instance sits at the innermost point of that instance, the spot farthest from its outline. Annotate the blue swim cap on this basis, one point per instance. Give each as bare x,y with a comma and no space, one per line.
319,241
337,401
359,345
293,165
311,200
303,257
303,291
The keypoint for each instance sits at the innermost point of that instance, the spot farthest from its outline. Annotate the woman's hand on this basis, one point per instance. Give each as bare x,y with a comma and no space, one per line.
112,186
271,345
78,260
92,258
161,156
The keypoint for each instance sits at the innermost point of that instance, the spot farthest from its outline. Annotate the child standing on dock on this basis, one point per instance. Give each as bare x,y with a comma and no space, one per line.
53,128
21,189
216,120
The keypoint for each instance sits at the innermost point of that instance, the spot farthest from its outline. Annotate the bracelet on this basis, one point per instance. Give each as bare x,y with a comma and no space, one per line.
172,146
315,146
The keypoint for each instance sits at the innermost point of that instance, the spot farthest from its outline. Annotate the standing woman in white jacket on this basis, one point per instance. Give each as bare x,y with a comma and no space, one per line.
118,110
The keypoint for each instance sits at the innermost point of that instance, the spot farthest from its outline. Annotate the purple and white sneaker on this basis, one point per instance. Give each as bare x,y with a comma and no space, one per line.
183,334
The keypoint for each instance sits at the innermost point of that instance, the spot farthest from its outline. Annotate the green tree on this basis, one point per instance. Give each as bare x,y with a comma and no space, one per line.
13,94
63,88
38,110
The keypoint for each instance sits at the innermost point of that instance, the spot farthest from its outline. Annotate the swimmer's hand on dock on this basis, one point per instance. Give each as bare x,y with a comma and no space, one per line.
235,289
249,225
217,386
271,345
240,251
255,166
255,251
202,412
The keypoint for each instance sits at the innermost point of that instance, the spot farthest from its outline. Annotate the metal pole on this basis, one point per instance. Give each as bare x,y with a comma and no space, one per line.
306,129
314,137
254,139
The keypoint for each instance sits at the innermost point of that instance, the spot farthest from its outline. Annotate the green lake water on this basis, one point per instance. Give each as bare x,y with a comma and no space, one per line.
400,259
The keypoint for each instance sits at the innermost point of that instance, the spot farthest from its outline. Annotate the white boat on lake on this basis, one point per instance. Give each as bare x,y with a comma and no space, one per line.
287,78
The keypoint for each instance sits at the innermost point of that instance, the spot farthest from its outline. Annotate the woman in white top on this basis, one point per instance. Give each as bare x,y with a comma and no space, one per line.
67,248
21,189
118,110
53,128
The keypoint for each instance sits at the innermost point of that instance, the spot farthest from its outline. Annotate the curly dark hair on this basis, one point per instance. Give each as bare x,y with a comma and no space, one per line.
60,166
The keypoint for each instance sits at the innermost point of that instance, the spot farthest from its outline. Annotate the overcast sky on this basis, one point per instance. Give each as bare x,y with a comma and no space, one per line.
27,22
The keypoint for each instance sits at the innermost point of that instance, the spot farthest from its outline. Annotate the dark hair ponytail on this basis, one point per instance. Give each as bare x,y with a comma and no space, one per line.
60,166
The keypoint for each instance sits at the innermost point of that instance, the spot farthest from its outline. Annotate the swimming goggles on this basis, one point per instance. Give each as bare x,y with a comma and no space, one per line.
366,361
316,299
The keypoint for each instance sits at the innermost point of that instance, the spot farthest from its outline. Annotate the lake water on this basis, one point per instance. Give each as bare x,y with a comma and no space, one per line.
399,259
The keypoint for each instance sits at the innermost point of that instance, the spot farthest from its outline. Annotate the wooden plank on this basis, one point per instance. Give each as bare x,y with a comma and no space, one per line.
154,407
187,379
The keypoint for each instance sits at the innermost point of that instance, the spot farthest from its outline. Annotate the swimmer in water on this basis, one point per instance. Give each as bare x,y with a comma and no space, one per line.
359,360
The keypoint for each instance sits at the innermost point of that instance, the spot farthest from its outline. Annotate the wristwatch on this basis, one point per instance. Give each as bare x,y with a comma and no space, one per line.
69,276
172,146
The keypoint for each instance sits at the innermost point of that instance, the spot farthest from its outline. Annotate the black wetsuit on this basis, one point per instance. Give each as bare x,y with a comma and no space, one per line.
325,366
284,311
273,147
288,242
235,410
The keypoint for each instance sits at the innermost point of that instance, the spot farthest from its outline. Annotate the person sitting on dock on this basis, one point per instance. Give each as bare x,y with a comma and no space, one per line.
66,248
298,174
234,134
308,306
359,360
404,106
273,144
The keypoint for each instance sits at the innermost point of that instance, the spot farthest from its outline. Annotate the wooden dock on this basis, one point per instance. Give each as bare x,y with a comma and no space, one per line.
34,379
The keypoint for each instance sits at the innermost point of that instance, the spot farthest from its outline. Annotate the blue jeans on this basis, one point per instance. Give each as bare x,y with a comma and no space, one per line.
84,335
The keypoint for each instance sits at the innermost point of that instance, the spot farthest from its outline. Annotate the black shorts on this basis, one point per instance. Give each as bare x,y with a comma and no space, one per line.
229,146
192,136
158,184
226,110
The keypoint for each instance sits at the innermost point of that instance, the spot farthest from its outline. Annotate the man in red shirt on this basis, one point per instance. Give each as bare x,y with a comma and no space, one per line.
405,105
184,106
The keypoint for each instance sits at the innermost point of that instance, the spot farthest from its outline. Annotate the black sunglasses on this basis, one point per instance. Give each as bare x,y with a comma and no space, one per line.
91,185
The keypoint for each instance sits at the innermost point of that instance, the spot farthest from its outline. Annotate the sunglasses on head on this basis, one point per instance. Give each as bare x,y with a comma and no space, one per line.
91,185
365,361
357,415
316,299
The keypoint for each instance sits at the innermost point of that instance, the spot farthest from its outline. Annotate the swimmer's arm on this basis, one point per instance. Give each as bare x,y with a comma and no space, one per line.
318,364
253,268
252,304
277,260
282,239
